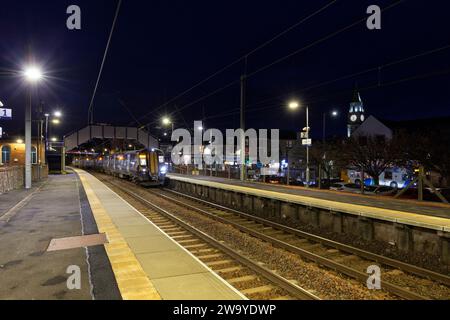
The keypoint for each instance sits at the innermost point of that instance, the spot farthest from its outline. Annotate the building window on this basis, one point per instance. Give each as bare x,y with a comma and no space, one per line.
6,154
33,155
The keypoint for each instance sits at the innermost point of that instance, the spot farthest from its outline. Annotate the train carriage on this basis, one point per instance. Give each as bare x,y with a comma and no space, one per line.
145,167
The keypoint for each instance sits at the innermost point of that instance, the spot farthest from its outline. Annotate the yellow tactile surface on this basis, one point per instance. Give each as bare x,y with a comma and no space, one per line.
414,219
131,279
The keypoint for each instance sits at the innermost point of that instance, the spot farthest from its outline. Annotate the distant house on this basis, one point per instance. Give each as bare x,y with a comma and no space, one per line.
373,127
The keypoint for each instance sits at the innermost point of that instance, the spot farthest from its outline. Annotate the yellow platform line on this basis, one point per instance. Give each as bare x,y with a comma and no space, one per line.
131,279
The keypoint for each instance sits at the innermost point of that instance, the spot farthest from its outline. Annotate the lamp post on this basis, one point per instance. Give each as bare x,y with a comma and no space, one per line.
32,74
294,105
166,121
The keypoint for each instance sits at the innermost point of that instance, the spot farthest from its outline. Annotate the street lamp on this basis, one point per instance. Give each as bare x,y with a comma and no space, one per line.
32,74
56,121
57,114
166,121
294,105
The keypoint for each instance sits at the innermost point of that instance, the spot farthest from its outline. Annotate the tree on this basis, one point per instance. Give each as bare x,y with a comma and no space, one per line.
329,156
372,154
430,149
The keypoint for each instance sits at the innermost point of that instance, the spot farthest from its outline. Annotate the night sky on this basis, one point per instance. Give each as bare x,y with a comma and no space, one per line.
161,48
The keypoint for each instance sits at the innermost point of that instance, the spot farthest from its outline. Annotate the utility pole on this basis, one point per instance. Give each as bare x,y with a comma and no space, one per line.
243,79
307,147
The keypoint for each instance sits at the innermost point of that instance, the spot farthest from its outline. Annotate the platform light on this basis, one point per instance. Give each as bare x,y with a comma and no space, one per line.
335,113
57,114
32,74
166,121
54,139
200,128
19,141
56,121
293,105
165,134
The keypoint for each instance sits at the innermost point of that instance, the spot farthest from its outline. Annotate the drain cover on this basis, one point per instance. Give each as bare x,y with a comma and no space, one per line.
77,242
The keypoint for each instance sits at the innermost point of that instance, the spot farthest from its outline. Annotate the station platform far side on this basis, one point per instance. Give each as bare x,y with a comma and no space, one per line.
430,216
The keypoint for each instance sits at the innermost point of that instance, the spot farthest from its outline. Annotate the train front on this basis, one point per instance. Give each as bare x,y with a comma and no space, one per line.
152,169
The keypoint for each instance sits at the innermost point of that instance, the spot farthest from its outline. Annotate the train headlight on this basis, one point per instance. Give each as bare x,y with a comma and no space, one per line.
163,169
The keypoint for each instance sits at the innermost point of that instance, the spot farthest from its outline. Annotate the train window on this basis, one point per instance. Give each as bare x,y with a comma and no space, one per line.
142,160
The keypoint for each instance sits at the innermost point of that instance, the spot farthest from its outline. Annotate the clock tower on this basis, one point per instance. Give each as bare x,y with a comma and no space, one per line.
356,114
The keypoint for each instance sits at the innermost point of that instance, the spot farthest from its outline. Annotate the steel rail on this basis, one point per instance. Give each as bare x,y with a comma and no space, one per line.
272,277
441,278
353,273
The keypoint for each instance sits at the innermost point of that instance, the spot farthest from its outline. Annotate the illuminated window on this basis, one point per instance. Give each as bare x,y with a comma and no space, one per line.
6,154
33,155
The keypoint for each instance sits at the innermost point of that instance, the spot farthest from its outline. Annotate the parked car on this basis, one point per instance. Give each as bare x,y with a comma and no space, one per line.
356,188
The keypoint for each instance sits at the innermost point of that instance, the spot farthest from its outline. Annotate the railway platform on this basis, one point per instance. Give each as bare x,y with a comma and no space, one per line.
29,221
409,227
74,229
428,215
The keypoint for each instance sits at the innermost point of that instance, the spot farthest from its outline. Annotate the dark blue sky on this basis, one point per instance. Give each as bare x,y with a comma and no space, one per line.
161,48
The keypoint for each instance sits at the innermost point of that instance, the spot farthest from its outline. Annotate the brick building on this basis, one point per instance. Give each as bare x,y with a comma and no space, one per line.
12,152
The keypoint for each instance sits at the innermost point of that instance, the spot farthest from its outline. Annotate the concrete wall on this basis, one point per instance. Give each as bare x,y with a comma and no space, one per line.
13,177
407,239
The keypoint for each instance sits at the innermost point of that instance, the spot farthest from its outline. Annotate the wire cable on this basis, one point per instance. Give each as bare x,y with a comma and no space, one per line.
303,20
91,104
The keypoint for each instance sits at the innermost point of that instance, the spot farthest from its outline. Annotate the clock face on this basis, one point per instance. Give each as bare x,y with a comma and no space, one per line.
353,118
363,118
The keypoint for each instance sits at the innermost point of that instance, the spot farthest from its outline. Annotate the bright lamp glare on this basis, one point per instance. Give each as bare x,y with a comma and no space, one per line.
56,121
294,105
33,74
57,114
166,121
335,113
54,139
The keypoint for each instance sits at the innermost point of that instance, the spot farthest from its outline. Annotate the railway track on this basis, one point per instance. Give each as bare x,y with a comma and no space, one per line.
404,280
398,278
251,278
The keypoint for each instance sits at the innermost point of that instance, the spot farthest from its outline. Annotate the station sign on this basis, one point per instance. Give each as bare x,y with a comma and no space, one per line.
5,114
307,142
